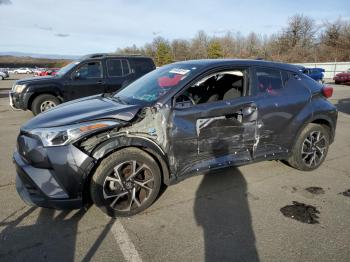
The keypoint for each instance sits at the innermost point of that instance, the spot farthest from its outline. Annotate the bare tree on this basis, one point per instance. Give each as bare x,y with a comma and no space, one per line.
199,45
180,49
301,40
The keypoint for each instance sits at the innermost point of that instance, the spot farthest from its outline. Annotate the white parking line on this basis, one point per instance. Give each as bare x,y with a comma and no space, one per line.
125,244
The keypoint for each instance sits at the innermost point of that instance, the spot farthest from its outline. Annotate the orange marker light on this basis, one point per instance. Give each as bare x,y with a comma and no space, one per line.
92,127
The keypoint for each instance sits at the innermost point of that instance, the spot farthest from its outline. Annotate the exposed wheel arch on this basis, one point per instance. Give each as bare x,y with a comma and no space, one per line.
116,143
101,152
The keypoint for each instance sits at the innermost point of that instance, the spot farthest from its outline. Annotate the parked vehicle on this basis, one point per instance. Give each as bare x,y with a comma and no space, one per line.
92,74
40,72
315,73
46,72
342,78
4,74
52,71
180,120
23,71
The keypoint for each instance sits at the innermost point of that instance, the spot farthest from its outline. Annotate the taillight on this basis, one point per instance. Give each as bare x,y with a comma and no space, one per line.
327,91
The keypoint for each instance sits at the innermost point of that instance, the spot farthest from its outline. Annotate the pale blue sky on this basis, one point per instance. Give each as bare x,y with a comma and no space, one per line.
76,27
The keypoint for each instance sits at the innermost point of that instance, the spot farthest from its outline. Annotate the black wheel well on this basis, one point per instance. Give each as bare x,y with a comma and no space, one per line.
31,99
157,158
325,124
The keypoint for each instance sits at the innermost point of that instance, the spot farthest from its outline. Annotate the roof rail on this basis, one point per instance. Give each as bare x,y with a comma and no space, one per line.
100,55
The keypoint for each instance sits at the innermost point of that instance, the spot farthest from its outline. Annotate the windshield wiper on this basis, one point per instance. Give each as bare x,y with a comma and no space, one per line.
119,100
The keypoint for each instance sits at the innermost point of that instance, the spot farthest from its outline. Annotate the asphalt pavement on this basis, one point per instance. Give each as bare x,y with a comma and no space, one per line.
231,215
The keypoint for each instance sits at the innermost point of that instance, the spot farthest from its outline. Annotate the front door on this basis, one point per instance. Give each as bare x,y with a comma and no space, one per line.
215,127
86,80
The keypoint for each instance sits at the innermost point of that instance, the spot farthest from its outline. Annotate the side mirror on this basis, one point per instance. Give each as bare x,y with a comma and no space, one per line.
76,76
183,104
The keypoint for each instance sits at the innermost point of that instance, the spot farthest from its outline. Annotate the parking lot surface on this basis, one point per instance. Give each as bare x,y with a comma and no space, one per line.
232,215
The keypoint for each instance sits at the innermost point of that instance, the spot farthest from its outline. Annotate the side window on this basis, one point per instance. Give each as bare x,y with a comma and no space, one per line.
89,70
143,66
225,85
269,81
114,67
126,68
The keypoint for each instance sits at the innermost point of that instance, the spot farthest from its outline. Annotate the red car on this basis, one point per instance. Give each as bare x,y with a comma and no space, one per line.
342,78
53,71
47,72
40,72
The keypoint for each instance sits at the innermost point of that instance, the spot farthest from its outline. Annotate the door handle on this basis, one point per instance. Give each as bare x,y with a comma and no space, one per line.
100,82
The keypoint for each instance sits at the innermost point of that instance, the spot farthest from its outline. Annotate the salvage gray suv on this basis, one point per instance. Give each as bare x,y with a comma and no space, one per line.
180,120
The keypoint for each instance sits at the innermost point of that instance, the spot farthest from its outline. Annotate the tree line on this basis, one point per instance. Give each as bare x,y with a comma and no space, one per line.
15,62
301,40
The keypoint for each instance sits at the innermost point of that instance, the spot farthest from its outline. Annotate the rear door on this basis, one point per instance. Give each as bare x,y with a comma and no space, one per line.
142,66
118,74
280,97
86,80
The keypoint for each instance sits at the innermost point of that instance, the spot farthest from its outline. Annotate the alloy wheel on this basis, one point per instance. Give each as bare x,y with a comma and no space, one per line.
129,186
46,105
313,148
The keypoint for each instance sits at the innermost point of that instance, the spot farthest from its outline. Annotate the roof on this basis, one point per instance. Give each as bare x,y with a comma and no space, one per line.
242,62
104,55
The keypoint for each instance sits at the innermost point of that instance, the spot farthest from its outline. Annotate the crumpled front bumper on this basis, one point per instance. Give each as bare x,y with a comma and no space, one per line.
50,177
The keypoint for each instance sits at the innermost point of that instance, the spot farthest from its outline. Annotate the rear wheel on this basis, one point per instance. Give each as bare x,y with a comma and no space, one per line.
43,103
126,182
311,148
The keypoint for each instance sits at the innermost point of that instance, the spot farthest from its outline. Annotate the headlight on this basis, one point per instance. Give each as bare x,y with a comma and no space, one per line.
19,88
58,136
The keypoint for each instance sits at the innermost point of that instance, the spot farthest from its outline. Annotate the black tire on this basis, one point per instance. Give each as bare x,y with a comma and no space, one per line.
304,152
105,192
37,103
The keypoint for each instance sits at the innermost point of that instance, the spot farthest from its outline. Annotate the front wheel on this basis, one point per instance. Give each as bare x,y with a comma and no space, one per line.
43,103
126,182
311,148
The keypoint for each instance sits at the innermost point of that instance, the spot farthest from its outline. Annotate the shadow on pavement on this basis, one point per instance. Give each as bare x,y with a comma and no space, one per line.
221,208
343,105
51,238
225,217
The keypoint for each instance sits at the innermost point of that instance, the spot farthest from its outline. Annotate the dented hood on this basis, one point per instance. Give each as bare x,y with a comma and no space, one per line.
86,109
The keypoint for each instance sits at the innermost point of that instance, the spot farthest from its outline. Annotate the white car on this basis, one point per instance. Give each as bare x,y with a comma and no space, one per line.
23,71
3,75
